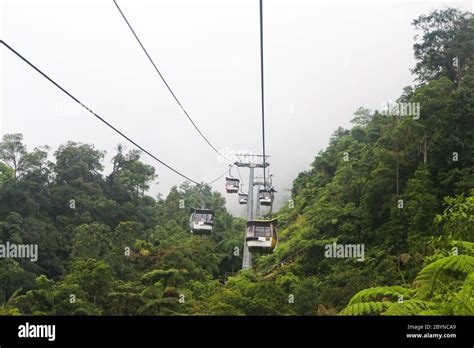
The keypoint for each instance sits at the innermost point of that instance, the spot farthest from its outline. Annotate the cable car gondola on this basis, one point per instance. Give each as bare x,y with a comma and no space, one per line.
232,185
261,236
265,197
201,221
243,198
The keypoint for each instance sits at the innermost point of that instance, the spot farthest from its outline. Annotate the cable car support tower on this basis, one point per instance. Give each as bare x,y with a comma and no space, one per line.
251,164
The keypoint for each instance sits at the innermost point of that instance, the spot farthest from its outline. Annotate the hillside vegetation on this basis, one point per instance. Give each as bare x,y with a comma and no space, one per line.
401,186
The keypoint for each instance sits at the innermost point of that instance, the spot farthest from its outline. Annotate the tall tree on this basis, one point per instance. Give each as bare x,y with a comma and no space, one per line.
445,46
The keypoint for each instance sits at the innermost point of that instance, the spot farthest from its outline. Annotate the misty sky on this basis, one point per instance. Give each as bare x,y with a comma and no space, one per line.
323,59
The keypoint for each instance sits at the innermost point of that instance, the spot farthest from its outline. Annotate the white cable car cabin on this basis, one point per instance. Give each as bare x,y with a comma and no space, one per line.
261,236
265,197
201,221
232,185
243,198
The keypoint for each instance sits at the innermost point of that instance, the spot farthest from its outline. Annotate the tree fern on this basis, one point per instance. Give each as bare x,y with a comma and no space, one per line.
7,308
378,293
366,308
464,247
429,278
443,287
410,307
469,281
462,302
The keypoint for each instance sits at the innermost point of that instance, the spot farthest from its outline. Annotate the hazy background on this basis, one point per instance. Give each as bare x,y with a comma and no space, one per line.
323,59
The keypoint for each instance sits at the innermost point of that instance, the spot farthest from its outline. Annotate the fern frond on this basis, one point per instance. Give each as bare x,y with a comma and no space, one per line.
429,277
410,307
464,247
366,308
380,292
463,301
469,281
12,297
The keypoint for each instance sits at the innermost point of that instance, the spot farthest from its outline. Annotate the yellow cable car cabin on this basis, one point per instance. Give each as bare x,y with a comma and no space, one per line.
261,236
201,221
232,185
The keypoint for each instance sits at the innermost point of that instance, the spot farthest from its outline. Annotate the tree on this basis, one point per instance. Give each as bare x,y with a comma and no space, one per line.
457,220
78,162
93,277
130,178
92,241
421,206
6,173
445,35
12,150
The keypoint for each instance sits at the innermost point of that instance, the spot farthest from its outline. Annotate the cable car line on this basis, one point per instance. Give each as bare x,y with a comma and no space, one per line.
261,234
219,177
240,175
241,180
96,115
262,87
243,198
167,86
